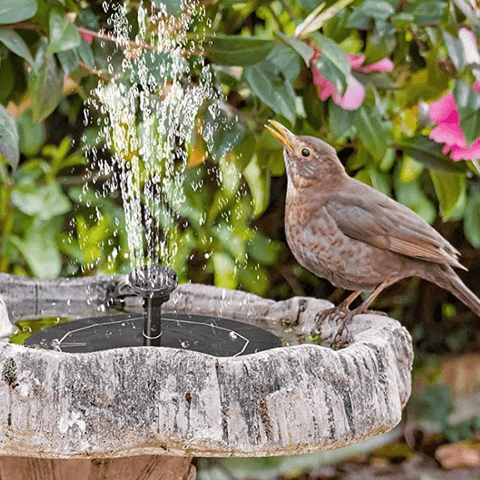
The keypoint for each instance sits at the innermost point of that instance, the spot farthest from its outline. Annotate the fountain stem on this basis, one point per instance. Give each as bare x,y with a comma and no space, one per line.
152,327
154,283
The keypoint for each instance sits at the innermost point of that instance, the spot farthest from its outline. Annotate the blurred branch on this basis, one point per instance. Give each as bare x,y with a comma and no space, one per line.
102,35
96,72
318,17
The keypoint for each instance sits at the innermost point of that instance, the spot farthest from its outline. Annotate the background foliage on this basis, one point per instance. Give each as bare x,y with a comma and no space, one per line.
289,60
267,58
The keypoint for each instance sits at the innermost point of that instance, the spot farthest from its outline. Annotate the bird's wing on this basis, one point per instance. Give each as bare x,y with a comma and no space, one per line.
371,217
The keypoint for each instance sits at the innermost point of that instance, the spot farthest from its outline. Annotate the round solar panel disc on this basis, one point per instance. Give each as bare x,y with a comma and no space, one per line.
220,337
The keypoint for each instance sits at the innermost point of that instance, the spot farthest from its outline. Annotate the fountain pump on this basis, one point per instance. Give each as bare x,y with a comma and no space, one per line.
154,283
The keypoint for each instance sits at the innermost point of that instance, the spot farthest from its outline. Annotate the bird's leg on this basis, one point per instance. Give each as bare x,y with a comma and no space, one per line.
341,309
359,310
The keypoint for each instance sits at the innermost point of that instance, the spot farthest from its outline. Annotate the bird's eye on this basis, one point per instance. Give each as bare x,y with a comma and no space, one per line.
305,152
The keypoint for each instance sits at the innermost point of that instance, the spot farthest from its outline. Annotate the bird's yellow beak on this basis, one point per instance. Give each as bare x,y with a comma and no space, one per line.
282,134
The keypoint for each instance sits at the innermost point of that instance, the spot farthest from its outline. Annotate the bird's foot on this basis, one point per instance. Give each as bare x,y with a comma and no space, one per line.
333,313
341,314
340,342
341,338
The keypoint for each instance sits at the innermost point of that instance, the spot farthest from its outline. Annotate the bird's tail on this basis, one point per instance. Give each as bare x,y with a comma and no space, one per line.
449,280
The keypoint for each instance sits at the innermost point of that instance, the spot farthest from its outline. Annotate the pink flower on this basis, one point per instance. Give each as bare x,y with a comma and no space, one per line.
444,113
355,91
87,37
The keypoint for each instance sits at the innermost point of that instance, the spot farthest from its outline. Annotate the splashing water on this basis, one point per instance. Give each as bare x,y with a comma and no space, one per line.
149,121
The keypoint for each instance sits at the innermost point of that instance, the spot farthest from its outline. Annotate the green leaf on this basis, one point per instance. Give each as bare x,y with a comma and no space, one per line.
428,152
286,60
387,162
254,279
450,190
259,183
63,33
13,11
302,48
231,242
69,60
454,49
380,181
46,85
411,169
336,27
426,12
86,54
8,77
468,104
332,73
225,271
362,16
471,224
412,196
426,84
332,59
378,47
360,158
31,135
267,84
309,5
43,202
172,7
410,193
40,250
9,138
237,50
72,161
263,250
230,175
14,42
371,131
31,170
340,120
92,239
402,21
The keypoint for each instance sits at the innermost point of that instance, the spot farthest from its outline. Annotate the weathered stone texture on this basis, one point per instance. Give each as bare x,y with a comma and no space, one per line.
148,400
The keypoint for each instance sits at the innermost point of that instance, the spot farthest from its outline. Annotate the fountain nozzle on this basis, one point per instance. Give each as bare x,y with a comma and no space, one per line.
154,283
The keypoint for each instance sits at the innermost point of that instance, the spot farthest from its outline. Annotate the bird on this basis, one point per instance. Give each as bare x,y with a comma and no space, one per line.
354,236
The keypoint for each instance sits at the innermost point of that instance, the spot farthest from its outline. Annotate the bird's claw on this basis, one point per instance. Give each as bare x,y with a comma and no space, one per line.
334,313
340,340
341,315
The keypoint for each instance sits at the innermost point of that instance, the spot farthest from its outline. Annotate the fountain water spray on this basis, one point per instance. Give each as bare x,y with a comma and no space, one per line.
150,123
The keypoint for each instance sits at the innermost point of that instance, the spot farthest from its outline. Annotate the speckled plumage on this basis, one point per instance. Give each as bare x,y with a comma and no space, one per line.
353,235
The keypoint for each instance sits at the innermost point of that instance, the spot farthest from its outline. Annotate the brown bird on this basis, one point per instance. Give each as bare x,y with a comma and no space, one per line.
355,236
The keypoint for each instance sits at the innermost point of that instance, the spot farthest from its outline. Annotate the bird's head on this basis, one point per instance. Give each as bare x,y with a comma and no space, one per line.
308,159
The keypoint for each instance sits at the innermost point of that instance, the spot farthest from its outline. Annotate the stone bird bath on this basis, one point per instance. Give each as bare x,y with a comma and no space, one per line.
144,412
